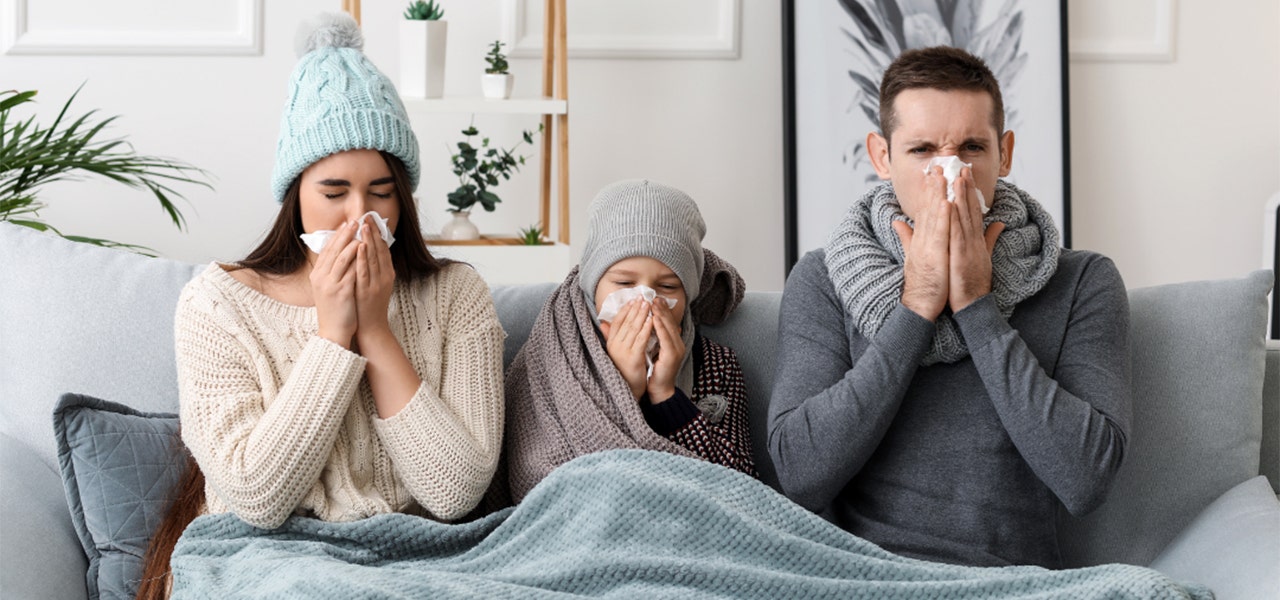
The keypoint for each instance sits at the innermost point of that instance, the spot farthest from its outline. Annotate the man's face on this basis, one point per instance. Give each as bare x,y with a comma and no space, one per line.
940,123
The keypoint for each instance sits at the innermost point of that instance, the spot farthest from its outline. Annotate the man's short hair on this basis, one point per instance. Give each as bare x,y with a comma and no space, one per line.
940,68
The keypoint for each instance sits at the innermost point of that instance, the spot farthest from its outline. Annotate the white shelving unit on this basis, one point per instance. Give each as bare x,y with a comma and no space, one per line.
500,259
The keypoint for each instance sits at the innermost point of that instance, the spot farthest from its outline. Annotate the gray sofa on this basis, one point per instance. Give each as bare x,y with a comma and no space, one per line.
1189,500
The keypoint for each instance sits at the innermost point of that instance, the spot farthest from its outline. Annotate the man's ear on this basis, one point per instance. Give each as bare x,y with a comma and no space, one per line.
878,151
1006,153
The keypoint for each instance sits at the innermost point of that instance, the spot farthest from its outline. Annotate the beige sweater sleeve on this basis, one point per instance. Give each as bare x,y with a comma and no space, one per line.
261,460
445,445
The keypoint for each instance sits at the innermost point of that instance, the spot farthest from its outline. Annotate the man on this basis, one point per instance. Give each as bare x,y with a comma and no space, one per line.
947,378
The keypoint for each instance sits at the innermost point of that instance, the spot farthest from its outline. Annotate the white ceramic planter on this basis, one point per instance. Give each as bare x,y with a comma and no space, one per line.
497,87
460,227
422,56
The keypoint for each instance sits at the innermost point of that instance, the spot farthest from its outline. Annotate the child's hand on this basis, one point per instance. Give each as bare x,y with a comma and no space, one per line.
625,338
671,351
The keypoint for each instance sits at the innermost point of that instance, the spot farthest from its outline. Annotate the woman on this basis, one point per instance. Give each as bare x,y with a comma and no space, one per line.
356,377
589,379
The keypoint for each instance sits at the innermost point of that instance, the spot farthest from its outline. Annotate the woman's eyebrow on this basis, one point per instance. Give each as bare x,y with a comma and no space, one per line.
334,182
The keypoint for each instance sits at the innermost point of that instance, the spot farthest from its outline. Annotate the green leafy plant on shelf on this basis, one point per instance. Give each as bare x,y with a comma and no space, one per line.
424,11
32,155
531,235
481,168
496,59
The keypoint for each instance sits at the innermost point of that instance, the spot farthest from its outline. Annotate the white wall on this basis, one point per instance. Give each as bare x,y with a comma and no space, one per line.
710,127
1171,162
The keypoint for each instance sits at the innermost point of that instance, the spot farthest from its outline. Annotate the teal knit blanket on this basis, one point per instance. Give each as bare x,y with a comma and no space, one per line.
619,524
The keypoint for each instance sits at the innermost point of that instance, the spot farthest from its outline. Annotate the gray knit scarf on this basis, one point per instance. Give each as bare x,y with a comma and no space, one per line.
565,398
865,261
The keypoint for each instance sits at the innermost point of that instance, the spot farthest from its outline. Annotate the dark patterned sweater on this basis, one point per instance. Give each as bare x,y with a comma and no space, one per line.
718,431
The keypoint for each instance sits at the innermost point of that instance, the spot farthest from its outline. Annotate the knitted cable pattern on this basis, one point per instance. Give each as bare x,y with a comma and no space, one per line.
865,259
283,422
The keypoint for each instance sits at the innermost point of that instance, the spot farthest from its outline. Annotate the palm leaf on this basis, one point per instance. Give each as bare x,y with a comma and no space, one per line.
32,156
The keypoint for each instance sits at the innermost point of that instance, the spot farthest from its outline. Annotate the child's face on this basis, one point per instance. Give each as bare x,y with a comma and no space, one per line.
642,270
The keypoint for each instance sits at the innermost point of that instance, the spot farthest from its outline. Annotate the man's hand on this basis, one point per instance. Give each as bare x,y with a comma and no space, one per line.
971,245
625,339
927,247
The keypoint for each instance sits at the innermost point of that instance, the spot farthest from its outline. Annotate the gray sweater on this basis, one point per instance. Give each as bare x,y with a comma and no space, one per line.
965,462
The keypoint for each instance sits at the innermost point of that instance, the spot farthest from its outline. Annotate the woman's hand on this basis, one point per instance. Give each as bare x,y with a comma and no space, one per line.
625,338
671,351
333,286
375,278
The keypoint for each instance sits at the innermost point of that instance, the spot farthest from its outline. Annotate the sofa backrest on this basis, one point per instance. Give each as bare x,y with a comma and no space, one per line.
78,318
75,318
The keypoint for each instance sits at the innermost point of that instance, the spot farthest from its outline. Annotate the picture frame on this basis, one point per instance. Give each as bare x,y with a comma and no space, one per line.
833,56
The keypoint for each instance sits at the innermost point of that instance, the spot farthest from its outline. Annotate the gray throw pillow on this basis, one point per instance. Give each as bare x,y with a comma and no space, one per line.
118,467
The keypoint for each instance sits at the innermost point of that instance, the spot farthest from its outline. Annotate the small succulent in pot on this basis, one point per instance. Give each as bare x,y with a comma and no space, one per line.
496,59
531,235
419,10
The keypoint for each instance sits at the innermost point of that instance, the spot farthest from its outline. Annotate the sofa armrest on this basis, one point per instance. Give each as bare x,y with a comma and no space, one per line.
1232,546
40,555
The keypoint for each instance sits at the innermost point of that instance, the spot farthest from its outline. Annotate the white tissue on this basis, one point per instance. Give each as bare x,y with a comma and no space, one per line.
317,239
951,166
615,301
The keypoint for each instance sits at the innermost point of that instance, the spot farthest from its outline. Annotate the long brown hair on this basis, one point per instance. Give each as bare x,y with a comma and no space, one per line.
280,253
184,506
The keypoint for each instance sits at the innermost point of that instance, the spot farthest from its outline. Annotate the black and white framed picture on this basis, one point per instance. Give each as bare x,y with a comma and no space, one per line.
834,54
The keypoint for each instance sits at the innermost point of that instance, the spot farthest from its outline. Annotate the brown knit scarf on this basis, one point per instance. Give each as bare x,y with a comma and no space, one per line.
565,398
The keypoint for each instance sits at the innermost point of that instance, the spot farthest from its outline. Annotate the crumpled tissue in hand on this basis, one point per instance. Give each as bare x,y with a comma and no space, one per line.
615,301
317,239
951,166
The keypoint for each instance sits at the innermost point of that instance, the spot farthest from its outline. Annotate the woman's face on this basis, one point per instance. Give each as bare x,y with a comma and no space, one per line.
341,187
642,270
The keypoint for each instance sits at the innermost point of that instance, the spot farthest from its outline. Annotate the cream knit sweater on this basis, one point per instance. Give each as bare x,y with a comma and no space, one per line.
283,422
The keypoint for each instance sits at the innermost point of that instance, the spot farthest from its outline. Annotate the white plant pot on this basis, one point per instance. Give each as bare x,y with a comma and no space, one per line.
497,86
422,55
460,227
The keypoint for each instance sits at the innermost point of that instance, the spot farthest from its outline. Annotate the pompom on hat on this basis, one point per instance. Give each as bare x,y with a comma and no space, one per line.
338,101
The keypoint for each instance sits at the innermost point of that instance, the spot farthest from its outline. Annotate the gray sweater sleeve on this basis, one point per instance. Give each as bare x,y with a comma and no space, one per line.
1070,428
833,398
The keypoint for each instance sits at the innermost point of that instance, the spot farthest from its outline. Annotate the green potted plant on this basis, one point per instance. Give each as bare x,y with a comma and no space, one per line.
479,169
423,37
531,235
496,81
32,155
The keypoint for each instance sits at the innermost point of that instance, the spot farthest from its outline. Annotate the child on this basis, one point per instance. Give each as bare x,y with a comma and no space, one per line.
589,379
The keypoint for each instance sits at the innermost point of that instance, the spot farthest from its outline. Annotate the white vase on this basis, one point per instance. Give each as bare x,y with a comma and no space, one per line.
460,227
497,86
422,54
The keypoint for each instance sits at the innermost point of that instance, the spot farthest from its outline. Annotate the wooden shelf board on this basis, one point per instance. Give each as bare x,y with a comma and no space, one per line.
485,240
475,104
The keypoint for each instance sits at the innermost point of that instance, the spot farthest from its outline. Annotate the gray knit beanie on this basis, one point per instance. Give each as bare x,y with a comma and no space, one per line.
643,218
338,101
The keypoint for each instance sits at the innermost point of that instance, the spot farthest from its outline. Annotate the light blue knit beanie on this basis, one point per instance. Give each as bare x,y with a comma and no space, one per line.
338,101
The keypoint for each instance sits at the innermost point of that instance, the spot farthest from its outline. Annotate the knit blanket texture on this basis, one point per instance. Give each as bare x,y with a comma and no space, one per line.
566,398
865,261
617,524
